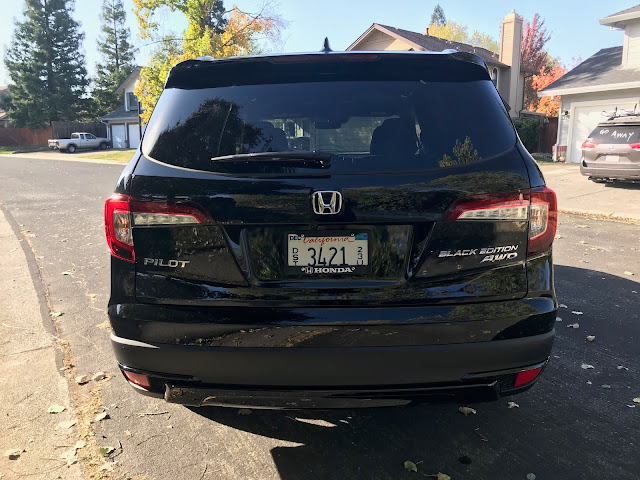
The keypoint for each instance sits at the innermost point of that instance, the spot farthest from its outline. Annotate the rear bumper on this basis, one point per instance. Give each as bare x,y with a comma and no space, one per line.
620,172
332,377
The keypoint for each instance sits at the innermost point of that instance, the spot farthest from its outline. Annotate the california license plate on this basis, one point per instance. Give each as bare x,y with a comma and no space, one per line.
337,254
613,158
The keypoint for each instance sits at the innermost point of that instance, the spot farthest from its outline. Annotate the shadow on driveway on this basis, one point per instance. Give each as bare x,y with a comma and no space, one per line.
564,428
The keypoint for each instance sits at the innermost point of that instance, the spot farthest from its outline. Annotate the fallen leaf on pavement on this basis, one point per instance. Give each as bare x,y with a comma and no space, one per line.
513,405
244,411
67,424
573,325
636,400
70,457
591,338
562,305
531,476
55,408
589,382
576,313
621,367
56,314
106,467
558,319
605,386
467,411
80,444
13,453
582,242
101,416
82,379
628,273
631,406
558,236
410,466
582,226
67,273
127,433
484,439
440,476
98,376
106,451
586,366
104,325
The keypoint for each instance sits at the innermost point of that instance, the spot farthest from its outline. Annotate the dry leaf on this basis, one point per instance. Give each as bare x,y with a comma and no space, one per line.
410,466
582,226
628,273
531,476
636,400
101,416
591,338
70,456
441,476
80,444
56,314
576,313
558,236
106,451
586,366
98,376
67,273
606,386
562,305
573,325
55,408
82,379
67,424
513,405
13,453
558,319
621,367
106,467
582,242
104,325
467,410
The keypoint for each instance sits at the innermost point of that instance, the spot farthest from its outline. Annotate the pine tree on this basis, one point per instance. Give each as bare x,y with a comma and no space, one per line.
117,56
437,17
46,66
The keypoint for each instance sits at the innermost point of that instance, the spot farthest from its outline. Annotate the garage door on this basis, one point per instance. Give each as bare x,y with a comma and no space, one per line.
584,120
118,136
134,136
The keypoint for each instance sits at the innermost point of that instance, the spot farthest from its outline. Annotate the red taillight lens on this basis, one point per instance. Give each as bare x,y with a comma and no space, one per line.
121,213
635,146
537,205
543,220
527,376
589,143
117,224
137,379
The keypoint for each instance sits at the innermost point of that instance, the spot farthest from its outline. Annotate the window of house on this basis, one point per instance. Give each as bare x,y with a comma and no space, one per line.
132,101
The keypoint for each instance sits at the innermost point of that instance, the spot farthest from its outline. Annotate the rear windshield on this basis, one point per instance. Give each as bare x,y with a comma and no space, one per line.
605,134
374,124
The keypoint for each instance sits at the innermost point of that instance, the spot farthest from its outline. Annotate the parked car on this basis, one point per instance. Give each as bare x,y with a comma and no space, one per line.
612,151
77,141
331,230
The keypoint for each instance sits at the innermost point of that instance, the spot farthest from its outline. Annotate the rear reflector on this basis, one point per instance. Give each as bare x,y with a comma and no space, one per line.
635,146
537,205
527,376
589,143
122,213
137,379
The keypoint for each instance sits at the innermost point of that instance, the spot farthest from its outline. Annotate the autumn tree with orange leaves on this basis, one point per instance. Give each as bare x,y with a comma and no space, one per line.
211,31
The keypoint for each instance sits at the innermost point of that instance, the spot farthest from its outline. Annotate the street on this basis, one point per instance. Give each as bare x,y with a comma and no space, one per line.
575,423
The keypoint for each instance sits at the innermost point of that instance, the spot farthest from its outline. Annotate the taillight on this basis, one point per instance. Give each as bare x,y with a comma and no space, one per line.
635,146
589,143
122,213
537,205
527,376
137,379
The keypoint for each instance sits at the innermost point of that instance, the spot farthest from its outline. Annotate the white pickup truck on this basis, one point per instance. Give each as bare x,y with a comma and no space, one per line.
79,140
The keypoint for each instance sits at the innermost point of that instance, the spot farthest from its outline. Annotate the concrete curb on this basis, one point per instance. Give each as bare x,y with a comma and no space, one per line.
39,156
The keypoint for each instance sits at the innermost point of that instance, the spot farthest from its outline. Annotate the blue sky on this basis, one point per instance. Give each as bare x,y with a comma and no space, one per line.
575,31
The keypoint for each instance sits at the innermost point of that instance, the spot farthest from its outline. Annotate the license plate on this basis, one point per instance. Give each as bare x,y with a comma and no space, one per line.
337,254
612,158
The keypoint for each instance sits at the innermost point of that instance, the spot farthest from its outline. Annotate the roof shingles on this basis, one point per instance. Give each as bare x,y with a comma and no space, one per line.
602,69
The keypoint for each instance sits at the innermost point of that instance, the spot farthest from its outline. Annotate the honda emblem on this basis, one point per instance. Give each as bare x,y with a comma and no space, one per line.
327,202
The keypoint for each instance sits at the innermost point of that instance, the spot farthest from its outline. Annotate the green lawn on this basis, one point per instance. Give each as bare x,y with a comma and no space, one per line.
20,148
118,155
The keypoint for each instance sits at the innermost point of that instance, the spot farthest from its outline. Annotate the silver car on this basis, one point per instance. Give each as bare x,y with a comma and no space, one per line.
612,151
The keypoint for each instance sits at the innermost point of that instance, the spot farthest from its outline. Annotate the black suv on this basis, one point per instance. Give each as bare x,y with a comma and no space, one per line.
331,230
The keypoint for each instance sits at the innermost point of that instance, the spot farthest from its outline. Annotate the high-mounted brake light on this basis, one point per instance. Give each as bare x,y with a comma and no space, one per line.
122,213
537,205
589,143
635,146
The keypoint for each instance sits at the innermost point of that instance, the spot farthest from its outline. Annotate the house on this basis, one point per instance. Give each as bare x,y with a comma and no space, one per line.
604,82
4,117
123,124
501,66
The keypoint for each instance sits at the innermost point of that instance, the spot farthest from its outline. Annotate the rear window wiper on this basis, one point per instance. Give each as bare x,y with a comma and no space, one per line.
307,159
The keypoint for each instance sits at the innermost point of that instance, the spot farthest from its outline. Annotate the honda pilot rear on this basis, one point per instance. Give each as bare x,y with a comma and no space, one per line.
331,230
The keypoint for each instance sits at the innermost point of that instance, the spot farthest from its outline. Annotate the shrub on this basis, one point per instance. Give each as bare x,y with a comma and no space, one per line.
529,131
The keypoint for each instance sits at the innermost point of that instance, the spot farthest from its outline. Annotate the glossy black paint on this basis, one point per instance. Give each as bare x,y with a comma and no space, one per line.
236,300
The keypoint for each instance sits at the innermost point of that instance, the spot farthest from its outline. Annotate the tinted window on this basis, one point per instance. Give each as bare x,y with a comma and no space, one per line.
75,135
616,134
395,124
89,136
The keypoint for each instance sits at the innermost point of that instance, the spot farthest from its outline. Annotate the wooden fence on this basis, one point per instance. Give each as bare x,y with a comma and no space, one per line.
11,136
548,135
65,129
